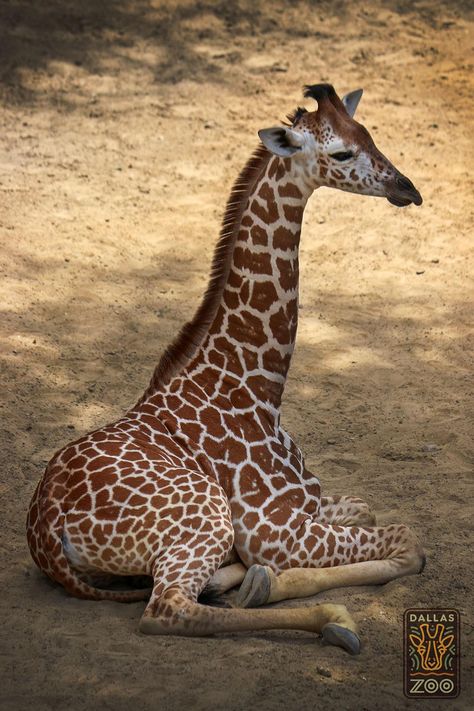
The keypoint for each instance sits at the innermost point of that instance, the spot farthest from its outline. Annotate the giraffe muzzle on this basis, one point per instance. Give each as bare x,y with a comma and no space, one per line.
402,192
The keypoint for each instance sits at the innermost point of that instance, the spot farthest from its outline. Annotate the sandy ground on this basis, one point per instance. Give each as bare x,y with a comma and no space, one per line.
123,125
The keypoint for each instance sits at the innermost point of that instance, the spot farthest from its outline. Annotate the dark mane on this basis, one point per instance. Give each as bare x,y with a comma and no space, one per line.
191,336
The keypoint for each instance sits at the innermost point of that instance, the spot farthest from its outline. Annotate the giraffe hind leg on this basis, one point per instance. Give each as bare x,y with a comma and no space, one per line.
99,578
173,608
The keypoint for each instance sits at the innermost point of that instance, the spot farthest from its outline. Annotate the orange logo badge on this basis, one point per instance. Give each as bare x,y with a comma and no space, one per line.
431,653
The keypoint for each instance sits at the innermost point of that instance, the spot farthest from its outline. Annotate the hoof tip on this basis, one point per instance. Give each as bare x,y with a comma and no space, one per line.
341,637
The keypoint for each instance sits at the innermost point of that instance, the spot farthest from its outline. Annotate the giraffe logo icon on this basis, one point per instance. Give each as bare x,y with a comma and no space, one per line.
431,653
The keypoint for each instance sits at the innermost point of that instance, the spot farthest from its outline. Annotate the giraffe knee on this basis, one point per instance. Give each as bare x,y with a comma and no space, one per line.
411,550
364,514
359,514
366,517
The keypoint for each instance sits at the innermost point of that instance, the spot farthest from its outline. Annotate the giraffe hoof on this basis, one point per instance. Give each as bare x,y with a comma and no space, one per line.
341,637
255,588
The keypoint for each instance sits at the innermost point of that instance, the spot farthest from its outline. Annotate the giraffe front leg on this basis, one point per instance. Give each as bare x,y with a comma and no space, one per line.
173,608
174,611
345,511
347,556
190,557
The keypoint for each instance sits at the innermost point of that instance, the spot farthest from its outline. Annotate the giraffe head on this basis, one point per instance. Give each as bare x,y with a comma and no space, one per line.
336,151
432,645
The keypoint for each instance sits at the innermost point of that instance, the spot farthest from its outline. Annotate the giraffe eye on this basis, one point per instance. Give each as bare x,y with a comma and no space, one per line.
342,155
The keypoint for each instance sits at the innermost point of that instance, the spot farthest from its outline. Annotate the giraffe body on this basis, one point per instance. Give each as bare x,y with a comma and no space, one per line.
200,469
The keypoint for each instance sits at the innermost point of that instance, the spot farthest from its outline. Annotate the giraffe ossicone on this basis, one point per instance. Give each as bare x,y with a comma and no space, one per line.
199,484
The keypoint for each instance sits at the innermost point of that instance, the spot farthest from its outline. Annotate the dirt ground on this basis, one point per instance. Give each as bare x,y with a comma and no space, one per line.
123,125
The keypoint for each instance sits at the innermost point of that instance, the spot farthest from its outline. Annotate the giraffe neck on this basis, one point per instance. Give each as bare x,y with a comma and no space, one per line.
250,341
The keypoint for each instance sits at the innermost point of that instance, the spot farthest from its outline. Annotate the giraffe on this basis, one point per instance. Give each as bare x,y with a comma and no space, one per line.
198,487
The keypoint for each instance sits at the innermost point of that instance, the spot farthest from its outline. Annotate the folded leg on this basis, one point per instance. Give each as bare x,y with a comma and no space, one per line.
173,608
345,511
329,556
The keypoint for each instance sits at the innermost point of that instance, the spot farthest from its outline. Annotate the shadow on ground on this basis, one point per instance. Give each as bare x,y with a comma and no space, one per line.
101,38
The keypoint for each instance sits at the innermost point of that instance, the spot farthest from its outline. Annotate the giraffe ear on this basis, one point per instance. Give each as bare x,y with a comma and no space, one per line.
281,141
351,101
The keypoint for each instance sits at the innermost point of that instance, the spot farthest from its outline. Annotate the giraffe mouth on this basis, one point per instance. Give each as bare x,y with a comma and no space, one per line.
404,193
400,202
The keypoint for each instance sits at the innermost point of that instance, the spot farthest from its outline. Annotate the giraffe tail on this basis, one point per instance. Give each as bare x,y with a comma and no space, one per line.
47,542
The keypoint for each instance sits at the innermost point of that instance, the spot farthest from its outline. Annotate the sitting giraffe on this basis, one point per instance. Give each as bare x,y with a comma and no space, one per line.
198,485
